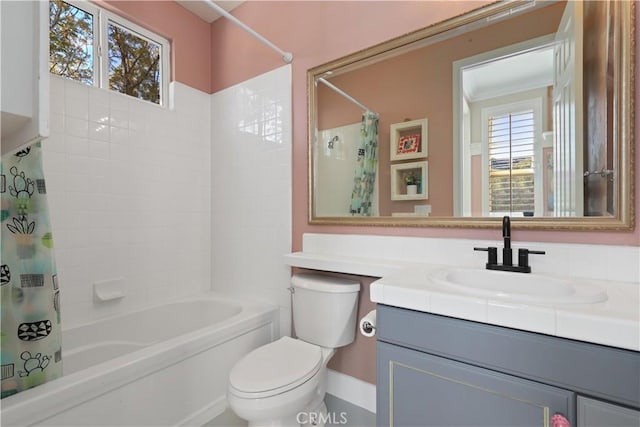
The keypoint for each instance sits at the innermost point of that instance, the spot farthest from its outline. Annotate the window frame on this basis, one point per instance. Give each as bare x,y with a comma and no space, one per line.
101,20
535,104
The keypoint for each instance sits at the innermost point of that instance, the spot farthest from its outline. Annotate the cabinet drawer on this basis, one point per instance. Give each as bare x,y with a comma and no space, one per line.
418,389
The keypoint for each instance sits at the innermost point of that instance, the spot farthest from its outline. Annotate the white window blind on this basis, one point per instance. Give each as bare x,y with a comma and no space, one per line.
511,162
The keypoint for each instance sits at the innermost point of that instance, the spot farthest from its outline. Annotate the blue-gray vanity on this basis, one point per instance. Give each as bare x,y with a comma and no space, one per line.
436,370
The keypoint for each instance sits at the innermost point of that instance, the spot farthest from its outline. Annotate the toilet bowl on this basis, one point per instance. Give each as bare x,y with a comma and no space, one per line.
283,383
274,383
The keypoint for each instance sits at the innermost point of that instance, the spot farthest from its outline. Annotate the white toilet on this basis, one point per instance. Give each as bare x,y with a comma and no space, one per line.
283,383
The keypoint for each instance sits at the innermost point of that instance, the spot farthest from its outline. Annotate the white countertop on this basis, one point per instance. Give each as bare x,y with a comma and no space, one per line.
614,322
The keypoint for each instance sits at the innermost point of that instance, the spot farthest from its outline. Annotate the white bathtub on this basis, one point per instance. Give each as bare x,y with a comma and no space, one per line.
165,365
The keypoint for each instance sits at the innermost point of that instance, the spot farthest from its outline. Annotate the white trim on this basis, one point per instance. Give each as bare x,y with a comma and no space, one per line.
475,148
459,156
467,151
352,390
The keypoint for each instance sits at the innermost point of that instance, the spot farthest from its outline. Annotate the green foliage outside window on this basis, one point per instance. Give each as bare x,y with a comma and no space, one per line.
70,42
133,65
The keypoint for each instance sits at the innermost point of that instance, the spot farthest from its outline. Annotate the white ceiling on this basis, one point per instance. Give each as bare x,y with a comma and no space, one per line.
513,74
206,12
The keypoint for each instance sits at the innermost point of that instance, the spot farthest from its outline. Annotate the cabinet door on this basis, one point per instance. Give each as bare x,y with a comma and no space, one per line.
419,389
24,73
594,413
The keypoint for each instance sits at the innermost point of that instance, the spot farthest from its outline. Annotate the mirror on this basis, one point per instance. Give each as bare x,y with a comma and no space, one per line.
519,108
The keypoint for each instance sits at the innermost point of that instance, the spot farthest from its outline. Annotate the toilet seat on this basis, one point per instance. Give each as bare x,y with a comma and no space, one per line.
275,368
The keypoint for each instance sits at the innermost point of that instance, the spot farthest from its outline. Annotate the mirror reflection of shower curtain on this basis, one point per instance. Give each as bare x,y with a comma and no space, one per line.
366,167
29,295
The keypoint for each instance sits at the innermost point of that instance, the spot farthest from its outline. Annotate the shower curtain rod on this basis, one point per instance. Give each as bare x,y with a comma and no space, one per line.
346,95
286,56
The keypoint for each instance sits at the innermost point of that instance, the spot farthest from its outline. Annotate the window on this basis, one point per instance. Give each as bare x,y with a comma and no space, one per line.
511,157
71,42
95,47
511,153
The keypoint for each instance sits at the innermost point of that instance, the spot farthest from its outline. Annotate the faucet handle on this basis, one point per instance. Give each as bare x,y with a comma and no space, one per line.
523,257
493,254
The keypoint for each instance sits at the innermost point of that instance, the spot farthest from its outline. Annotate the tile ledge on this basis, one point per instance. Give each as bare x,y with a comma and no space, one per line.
364,266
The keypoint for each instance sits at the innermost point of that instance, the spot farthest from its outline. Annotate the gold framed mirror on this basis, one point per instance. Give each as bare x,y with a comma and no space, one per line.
520,108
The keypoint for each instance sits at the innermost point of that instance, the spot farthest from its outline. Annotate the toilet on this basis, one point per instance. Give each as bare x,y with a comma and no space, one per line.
283,383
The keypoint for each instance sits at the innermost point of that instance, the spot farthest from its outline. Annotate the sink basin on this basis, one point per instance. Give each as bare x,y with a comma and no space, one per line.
522,287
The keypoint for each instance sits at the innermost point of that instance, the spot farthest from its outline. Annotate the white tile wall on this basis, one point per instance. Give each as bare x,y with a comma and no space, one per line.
129,191
600,262
251,183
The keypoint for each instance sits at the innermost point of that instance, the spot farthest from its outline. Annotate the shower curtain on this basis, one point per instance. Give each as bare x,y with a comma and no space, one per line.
366,166
30,339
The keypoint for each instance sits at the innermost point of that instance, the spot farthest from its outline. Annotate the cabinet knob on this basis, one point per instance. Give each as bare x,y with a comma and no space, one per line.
559,420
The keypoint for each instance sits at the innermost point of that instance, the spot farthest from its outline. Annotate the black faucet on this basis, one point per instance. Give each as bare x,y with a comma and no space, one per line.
507,258
507,253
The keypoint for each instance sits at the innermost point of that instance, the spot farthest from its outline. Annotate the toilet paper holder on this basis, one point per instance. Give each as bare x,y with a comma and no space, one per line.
368,324
368,327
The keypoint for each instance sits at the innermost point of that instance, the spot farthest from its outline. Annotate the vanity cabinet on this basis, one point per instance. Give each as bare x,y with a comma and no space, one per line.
595,413
427,390
440,371
24,102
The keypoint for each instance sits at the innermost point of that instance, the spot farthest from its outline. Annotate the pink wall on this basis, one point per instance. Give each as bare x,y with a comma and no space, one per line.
317,32
189,37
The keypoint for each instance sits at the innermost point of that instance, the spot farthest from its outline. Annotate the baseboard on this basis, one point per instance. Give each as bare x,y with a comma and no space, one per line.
206,414
352,390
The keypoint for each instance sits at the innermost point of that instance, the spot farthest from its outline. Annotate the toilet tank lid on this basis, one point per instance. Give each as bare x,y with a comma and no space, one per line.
322,283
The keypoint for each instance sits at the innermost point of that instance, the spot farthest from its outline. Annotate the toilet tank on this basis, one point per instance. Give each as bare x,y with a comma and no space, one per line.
325,309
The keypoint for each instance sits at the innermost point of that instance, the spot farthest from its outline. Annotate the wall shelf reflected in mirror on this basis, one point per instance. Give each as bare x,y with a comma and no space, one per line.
409,181
521,98
409,140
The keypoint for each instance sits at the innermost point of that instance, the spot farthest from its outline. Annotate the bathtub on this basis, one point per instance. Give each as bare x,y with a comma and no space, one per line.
164,365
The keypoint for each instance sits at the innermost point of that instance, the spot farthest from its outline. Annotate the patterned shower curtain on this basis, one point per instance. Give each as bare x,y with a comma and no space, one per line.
30,339
366,166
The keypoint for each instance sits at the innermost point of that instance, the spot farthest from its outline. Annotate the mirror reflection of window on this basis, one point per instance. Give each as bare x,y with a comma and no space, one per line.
510,169
511,161
503,92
